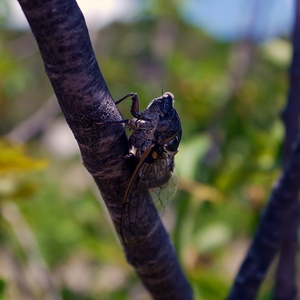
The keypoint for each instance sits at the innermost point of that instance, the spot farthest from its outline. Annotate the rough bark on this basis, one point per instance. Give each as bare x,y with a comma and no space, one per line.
64,43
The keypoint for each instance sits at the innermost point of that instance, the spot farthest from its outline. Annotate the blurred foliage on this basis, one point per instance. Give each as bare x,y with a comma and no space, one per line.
13,160
229,98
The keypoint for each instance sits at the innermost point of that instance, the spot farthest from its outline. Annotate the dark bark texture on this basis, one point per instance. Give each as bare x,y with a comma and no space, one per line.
70,63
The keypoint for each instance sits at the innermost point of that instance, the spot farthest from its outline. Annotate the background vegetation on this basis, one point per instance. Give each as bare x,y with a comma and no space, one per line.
55,236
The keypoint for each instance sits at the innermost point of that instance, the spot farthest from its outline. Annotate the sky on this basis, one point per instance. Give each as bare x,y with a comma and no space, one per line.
97,13
222,19
232,19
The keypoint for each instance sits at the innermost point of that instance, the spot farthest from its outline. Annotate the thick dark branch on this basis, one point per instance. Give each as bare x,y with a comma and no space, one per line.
291,112
270,232
285,287
70,64
62,37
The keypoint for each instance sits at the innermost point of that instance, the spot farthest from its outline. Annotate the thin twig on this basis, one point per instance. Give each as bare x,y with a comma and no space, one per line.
36,123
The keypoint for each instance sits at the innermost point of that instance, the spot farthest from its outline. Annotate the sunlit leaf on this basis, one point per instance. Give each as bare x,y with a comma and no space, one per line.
13,159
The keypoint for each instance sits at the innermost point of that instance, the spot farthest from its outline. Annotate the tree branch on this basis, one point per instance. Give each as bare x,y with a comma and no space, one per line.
62,37
290,115
285,287
270,232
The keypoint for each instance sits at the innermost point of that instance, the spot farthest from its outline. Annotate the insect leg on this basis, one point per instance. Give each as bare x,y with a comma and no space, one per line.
127,122
135,106
130,95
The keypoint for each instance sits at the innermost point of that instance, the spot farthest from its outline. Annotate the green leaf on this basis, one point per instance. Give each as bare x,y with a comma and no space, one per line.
13,159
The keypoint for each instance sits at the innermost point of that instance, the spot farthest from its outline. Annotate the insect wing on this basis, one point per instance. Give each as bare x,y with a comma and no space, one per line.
134,211
162,196
138,209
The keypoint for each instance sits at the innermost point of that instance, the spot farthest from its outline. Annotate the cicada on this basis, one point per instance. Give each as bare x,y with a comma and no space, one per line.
153,145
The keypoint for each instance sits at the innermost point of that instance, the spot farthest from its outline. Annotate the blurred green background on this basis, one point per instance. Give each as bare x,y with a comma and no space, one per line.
57,241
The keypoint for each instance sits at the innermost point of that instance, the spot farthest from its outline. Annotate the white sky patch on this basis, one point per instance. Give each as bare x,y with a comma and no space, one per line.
101,13
235,19
97,13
